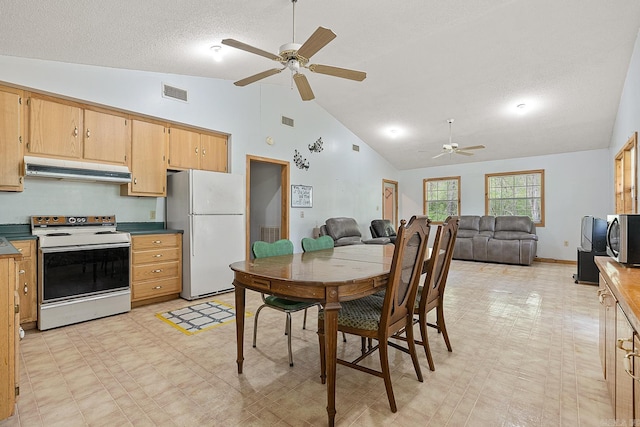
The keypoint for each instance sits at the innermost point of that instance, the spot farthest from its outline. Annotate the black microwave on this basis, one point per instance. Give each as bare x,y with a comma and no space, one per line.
623,238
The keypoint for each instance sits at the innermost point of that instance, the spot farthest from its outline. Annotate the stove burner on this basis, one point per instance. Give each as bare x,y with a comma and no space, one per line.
58,234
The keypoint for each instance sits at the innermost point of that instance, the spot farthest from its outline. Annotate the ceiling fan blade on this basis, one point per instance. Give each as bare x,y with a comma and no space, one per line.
473,147
259,76
441,154
338,72
251,49
464,153
319,39
303,87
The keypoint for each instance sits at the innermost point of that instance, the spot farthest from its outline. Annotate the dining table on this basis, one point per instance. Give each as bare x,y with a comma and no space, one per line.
328,277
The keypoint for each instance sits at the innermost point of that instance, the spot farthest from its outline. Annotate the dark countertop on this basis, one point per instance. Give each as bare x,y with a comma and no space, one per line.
23,231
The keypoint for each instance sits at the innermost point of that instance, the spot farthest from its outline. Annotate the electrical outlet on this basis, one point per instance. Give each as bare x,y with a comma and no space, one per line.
301,214
152,214
566,243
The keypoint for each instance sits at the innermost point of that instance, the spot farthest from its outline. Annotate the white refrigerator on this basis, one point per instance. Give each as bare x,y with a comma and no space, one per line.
210,208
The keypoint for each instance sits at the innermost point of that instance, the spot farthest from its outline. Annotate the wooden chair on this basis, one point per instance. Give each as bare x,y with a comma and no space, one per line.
262,249
379,318
431,294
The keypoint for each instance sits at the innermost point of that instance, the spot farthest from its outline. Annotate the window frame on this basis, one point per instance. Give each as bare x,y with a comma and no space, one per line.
425,200
515,173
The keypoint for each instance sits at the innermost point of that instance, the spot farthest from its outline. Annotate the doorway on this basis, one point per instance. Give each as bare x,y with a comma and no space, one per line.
267,200
390,201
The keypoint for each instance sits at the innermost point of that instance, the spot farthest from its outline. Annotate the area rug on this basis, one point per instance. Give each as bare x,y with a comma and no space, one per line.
199,317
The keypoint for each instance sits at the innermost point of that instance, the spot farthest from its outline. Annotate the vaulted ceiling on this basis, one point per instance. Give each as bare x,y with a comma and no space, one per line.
426,61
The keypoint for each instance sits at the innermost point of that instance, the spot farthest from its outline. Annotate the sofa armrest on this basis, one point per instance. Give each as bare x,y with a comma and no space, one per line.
377,241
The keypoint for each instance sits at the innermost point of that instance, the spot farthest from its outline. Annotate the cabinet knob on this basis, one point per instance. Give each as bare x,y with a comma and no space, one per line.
157,287
75,131
26,289
157,242
157,271
204,151
157,255
21,272
196,150
19,249
135,181
88,133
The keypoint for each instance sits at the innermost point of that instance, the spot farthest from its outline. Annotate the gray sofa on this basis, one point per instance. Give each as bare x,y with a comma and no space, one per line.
503,239
345,231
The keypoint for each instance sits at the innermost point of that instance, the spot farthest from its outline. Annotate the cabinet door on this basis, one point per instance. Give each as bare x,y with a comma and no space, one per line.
8,343
184,149
610,344
54,129
148,168
602,289
106,137
624,381
213,153
10,141
27,288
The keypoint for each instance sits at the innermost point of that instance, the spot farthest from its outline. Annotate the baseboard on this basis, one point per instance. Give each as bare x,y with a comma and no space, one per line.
556,261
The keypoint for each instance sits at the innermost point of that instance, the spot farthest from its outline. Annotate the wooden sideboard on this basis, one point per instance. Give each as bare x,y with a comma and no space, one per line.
619,294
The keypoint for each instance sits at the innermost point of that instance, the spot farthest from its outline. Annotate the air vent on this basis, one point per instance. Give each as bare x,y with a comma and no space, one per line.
355,147
174,93
287,121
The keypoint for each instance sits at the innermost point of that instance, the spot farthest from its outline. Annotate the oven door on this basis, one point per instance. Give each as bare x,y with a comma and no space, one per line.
79,283
76,271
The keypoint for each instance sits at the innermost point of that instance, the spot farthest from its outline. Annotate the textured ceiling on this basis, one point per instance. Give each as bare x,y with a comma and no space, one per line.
426,61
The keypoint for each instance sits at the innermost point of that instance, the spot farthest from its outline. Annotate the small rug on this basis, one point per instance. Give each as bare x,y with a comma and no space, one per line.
199,317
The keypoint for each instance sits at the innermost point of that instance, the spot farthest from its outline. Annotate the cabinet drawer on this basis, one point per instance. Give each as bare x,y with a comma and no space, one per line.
153,241
160,270
25,247
155,288
159,255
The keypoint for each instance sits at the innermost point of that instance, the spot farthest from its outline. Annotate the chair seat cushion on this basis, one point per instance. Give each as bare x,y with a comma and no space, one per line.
286,304
362,313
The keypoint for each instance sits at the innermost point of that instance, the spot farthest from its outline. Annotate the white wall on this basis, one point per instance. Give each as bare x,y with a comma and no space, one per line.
344,182
576,184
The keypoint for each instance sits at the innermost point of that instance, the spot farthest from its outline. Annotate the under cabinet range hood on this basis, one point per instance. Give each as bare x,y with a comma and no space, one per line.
43,167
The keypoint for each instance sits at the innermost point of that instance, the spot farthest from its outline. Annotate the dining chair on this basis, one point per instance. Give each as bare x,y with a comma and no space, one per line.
322,242
379,318
431,293
262,249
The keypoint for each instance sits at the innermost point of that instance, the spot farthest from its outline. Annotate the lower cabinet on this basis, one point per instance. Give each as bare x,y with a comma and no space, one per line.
27,284
156,267
619,348
9,341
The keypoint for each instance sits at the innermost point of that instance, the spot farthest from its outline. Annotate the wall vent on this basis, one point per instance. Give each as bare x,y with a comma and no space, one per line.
174,93
270,234
355,147
287,121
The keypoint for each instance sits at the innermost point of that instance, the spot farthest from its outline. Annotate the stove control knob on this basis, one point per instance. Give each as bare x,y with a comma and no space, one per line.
72,220
55,218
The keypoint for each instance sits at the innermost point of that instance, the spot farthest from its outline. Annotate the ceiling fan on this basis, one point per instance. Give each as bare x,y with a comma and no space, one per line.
295,57
452,147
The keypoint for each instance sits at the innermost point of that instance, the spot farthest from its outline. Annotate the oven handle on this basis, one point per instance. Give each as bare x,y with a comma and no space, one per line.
84,247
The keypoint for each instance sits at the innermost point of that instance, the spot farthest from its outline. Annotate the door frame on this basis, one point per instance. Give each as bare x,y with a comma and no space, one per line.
395,200
284,201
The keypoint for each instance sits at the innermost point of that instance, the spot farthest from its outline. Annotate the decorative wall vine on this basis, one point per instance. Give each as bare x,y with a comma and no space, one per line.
299,161
316,147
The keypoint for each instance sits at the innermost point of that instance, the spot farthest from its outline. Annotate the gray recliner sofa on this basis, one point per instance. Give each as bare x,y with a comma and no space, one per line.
503,239
345,231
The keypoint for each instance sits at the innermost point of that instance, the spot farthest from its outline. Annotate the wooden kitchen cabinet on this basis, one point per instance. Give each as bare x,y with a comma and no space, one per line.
148,162
9,341
11,132
107,137
156,267
27,285
66,130
189,149
55,129
619,343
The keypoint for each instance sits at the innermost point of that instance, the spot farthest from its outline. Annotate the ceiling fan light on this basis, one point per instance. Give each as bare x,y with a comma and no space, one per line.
216,53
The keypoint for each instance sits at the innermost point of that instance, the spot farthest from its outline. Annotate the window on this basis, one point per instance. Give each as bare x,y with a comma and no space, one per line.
516,193
441,197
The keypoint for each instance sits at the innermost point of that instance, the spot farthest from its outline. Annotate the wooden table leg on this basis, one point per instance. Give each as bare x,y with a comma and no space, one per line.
331,341
240,298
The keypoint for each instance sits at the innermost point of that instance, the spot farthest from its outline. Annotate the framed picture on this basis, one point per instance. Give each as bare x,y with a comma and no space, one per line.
301,196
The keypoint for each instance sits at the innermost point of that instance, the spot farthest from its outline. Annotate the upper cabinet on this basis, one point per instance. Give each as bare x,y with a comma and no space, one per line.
59,129
106,137
190,149
11,146
148,164
55,129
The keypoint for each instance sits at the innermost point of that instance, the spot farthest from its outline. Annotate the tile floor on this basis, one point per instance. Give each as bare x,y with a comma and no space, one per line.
525,353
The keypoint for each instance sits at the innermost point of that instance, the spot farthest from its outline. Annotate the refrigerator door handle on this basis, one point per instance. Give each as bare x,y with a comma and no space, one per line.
192,236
